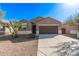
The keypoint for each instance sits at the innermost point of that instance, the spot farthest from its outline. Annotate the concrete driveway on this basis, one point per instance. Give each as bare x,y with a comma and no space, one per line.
47,44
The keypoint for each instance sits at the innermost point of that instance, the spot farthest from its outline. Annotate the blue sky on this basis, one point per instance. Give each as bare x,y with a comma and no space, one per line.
18,11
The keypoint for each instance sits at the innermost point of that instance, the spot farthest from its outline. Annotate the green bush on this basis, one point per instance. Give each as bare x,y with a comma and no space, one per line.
14,36
32,35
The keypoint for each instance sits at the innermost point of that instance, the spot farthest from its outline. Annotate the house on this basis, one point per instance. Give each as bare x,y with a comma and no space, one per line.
43,26
2,28
26,25
51,26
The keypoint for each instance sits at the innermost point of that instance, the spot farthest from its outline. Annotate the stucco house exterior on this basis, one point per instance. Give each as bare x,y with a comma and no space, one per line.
43,26
52,26
26,25
2,30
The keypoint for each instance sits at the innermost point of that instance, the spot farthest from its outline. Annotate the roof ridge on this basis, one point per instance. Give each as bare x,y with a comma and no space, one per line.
52,18
37,18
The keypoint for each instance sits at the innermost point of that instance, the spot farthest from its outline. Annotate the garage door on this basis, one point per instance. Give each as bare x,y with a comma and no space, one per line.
48,29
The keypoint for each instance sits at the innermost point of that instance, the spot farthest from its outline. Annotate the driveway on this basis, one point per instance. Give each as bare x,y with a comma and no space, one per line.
47,44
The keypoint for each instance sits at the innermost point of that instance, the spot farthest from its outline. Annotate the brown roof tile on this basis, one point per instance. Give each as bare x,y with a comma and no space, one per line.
24,21
38,19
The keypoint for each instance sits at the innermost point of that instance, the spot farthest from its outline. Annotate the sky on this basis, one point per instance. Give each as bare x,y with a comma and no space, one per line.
29,11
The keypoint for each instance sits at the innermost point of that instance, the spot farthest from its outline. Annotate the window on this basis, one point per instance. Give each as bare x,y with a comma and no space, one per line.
24,26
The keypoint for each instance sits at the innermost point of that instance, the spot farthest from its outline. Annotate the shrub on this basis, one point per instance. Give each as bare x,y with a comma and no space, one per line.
32,35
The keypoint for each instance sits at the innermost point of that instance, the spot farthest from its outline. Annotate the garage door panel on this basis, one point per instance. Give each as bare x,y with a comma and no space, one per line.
48,30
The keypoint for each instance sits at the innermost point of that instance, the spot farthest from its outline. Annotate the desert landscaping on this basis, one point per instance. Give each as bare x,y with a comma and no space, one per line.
38,30
22,46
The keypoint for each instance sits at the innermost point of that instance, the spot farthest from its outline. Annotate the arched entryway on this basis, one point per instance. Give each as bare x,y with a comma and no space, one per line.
63,31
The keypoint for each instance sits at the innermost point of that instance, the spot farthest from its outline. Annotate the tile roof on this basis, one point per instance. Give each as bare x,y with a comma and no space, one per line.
37,19
24,21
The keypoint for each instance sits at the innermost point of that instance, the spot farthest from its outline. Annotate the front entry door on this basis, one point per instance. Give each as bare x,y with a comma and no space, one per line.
63,31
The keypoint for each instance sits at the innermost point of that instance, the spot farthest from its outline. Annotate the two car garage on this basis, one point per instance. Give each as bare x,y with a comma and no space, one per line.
48,26
48,29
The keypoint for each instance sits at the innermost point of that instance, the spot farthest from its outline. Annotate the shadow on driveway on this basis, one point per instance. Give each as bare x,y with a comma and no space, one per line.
42,36
67,48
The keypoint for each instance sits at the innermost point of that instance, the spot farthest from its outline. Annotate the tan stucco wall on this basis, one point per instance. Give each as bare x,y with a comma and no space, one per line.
69,29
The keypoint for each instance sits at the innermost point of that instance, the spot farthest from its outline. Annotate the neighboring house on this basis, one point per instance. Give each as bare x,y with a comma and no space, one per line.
2,30
47,25
26,25
51,26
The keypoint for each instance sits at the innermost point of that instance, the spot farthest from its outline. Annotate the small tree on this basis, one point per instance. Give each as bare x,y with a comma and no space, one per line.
14,27
77,21
71,21
74,20
1,14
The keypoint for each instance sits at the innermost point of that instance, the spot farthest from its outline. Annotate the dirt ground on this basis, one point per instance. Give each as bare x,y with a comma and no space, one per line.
21,46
